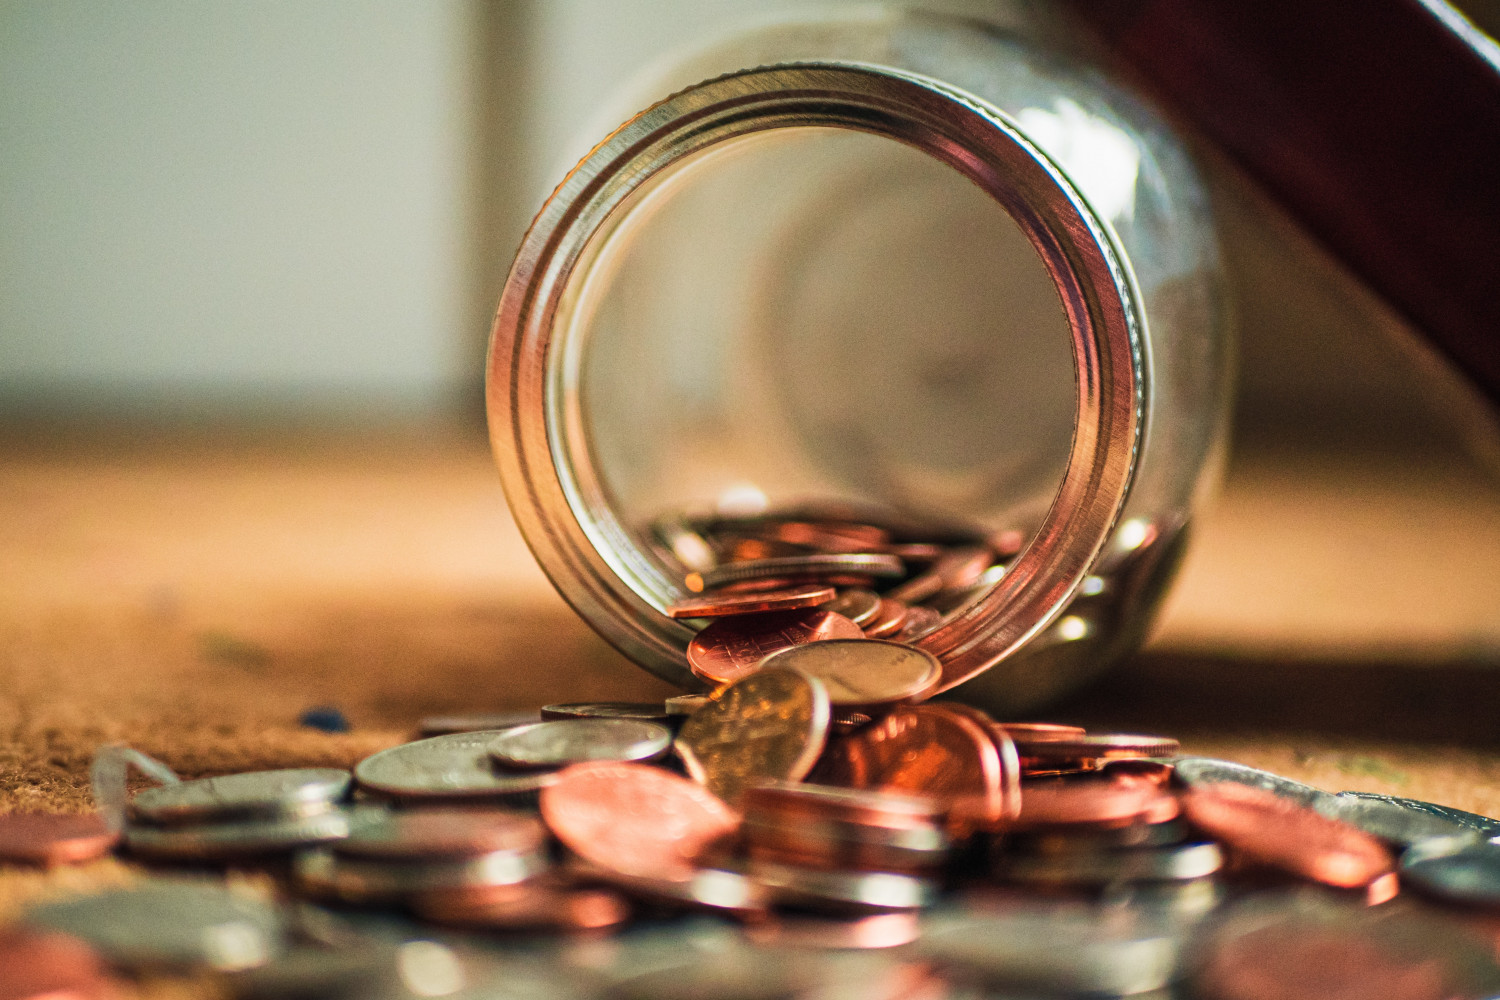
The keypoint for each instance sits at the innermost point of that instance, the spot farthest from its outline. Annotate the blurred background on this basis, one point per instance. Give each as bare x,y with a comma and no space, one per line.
230,216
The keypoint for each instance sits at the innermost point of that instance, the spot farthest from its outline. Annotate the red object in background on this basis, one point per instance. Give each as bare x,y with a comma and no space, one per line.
1377,125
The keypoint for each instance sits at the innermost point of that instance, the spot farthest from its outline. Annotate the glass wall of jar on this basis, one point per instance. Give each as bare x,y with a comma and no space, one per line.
887,269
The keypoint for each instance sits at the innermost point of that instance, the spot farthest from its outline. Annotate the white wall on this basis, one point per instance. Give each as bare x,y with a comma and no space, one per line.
252,201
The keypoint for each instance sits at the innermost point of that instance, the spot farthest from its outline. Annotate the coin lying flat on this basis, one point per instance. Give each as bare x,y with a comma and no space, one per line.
1176,863
427,834
170,923
1469,821
239,838
644,711
841,891
1462,869
863,673
724,605
1264,827
251,794
528,906
769,726
635,819
797,567
362,880
730,648
856,604
713,890
561,742
1196,771
456,766
1389,819
54,838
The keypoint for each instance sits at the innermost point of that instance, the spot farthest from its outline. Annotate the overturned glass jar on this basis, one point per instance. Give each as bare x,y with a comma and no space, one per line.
916,276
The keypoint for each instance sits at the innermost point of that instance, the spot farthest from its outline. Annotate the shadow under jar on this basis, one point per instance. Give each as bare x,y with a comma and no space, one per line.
892,268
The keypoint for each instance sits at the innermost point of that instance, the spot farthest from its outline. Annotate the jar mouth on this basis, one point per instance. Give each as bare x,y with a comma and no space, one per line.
533,387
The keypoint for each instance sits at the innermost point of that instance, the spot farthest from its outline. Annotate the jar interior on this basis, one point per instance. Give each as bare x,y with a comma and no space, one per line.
812,315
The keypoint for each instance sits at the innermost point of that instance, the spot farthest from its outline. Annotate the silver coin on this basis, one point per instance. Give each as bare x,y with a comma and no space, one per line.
854,603
859,673
1469,821
1154,864
1088,840
1060,950
841,891
713,889
682,705
207,841
250,794
795,567
1462,869
171,923
576,741
641,710
1193,771
1389,819
433,834
360,880
456,766
445,725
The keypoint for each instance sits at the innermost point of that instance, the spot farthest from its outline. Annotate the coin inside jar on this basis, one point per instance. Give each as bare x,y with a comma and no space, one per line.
730,648
754,602
863,673
769,726
561,742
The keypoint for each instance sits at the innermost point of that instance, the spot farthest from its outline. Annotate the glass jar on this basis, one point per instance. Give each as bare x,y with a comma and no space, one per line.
928,268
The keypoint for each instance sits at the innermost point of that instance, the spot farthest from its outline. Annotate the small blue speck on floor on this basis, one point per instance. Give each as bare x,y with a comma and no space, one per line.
324,719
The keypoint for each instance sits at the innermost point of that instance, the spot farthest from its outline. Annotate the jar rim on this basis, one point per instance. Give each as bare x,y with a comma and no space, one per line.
556,499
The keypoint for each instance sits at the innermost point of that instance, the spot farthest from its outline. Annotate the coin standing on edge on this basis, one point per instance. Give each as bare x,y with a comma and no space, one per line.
730,648
635,819
769,726
560,742
863,673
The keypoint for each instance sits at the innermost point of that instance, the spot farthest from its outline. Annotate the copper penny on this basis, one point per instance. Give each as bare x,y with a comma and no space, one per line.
827,537
1264,827
856,604
810,801
818,566
925,750
720,605
1102,747
420,834
1036,732
888,620
1093,803
46,965
635,819
863,673
769,726
730,648
919,621
54,838
1010,766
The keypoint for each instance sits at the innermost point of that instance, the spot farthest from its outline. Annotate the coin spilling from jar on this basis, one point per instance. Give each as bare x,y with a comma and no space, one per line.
812,826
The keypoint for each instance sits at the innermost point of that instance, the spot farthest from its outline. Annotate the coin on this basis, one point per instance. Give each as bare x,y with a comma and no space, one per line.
1469,821
237,838
1389,819
170,923
362,880
769,726
856,604
446,767
878,930
843,892
684,704
888,620
714,890
724,605
1091,803
643,711
44,965
925,750
1196,771
1462,869
1179,862
1058,950
1093,747
54,838
819,565
730,648
445,725
919,621
635,819
421,834
248,795
863,673
525,907
1036,732
573,741
1266,828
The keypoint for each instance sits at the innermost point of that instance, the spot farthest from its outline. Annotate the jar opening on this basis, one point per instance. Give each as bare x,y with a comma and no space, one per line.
752,295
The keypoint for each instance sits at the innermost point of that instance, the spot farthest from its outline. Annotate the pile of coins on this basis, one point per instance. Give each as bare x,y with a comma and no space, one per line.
812,827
